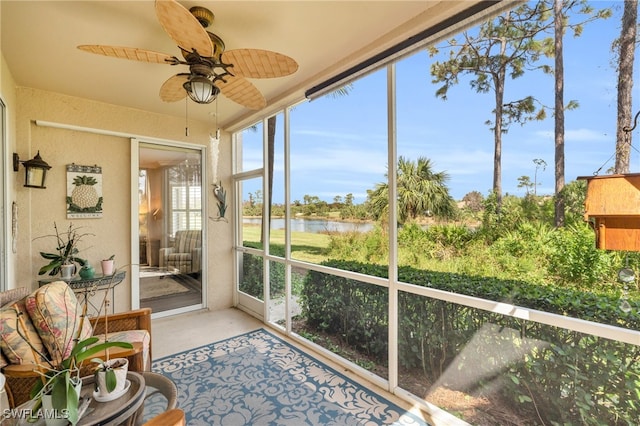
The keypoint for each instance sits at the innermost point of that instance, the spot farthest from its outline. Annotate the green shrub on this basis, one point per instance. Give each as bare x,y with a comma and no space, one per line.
362,322
574,259
566,377
496,222
451,238
251,281
369,247
574,194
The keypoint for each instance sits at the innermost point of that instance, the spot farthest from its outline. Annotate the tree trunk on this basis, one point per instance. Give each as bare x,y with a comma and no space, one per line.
497,136
559,113
271,137
625,84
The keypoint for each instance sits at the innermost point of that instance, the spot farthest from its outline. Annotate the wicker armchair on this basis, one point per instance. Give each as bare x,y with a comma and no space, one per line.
21,377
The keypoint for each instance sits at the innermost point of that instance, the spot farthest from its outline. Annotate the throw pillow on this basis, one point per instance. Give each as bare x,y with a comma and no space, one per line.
14,325
57,317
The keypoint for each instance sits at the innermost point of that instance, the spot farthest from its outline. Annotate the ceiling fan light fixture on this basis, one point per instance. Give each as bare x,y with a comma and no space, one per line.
201,90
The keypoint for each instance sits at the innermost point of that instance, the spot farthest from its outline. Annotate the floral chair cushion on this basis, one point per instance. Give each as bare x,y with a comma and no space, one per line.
57,316
131,336
14,322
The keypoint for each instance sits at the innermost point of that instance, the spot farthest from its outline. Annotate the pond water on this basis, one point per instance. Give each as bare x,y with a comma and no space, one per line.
314,225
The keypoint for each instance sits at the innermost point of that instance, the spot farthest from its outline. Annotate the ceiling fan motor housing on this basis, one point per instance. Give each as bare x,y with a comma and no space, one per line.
201,69
203,15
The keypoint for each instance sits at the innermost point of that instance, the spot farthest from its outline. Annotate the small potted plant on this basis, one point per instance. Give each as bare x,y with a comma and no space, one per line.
108,265
110,379
59,388
65,257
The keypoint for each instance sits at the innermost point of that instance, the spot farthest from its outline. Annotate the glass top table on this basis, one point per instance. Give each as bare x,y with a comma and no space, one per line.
120,411
86,287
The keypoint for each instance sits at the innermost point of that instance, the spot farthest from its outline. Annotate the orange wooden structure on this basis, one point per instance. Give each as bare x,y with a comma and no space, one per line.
613,207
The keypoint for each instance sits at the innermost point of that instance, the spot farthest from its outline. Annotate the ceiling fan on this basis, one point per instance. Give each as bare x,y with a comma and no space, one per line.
212,70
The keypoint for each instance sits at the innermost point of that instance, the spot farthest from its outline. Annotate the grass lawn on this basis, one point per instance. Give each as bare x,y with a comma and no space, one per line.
305,246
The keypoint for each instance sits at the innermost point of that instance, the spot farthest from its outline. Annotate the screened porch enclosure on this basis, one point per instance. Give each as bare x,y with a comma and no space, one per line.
448,311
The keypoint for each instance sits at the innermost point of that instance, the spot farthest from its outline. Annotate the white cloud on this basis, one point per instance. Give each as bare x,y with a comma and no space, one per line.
576,135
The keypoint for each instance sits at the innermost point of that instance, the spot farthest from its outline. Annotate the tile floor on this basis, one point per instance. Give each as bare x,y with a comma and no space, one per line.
178,333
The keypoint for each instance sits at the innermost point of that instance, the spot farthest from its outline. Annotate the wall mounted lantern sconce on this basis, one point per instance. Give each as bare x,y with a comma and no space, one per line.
35,170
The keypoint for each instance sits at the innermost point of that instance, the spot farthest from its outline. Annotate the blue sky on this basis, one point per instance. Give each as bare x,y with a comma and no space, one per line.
339,144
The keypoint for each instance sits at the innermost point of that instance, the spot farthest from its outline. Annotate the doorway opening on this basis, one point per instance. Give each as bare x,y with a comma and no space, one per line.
170,212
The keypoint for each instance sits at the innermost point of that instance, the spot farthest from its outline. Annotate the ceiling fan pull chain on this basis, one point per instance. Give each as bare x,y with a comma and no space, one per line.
186,117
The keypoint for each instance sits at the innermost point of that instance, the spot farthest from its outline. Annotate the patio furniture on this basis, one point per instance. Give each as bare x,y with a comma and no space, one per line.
185,253
157,383
174,417
50,318
120,411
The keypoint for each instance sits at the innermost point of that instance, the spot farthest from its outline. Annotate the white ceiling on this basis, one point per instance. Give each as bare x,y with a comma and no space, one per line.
39,40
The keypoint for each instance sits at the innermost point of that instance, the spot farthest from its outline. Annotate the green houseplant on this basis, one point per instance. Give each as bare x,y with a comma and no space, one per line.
66,249
110,377
62,381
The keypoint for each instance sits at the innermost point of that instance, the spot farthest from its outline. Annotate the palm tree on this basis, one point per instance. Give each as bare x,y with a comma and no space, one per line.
421,191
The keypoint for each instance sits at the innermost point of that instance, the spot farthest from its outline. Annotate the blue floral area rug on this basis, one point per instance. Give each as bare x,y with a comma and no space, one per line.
258,379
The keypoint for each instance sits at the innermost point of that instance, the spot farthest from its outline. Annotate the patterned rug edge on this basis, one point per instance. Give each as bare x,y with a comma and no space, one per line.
208,344
414,418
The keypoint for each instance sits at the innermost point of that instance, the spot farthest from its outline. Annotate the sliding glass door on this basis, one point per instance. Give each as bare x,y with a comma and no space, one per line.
170,224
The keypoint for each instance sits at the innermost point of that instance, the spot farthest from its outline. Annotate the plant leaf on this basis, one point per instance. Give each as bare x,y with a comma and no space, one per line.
81,345
98,348
59,390
72,403
53,265
110,379
50,256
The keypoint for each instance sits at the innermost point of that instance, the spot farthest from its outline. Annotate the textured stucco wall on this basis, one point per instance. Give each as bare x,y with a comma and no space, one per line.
39,209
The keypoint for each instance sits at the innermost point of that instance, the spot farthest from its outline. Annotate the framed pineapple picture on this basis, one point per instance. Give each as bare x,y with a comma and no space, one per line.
84,191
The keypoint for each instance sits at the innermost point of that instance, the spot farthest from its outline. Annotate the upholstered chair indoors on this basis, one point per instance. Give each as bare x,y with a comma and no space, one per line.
185,253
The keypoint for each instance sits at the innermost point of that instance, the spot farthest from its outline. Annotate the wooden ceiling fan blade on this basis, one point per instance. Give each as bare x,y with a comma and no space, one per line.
242,91
258,63
183,27
131,53
172,90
